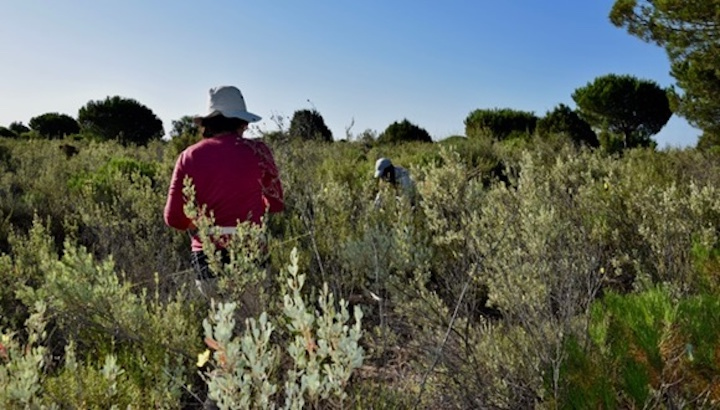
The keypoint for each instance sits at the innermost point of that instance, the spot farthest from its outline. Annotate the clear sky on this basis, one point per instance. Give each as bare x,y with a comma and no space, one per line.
368,63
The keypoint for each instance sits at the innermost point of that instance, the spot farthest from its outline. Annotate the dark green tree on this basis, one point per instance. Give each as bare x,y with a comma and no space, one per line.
404,131
367,137
622,104
18,128
309,125
53,125
184,133
184,126
499,123
7,133
690,33
119,118
562,120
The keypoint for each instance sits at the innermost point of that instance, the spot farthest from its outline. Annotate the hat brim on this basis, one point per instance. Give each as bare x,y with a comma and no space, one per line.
243,115
382,166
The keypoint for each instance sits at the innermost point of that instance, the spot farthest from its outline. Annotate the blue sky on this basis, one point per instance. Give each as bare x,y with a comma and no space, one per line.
367,63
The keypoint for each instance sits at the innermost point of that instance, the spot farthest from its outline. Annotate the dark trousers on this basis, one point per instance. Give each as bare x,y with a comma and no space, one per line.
200,264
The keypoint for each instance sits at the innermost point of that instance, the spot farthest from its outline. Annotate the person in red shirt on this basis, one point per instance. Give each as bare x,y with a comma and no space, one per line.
235,178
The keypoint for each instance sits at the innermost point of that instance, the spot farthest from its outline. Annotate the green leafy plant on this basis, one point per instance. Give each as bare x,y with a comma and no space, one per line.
322,348
22,364
649,346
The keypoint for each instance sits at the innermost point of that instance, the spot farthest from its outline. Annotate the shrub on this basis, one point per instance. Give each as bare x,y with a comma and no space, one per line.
184,126
655,349
709,140
54,125
119,118
7,133
184,133
103,183
403,131
18,128
147,339
454,139
564,121
322,349
309,125
500,124
22,364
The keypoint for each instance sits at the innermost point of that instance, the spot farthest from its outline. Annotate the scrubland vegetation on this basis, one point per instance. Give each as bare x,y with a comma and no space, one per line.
554,262
530,273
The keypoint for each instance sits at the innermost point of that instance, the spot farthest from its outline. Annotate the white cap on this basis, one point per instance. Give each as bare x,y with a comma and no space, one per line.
381,165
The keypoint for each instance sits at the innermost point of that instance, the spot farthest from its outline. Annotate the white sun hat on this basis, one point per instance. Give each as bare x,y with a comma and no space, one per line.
381,165
227,101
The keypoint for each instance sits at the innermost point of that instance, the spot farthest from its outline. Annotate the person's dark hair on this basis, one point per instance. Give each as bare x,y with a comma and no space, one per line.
389,174
220,124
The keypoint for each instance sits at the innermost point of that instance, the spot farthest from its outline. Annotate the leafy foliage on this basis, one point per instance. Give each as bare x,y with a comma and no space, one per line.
184,133
275,137
92,305
651,347
21,365
564,121
18,128
500,124
123,119
708,141
309,125
53,125
625,105
403,131
322,348
184,126
102,183
578,279
7,133
690,33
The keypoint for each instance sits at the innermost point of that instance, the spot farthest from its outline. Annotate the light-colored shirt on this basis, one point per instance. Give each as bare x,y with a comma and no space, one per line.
403,180
403,183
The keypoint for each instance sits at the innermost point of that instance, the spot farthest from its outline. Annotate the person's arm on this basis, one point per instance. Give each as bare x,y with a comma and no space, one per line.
174,213
271,185
378,200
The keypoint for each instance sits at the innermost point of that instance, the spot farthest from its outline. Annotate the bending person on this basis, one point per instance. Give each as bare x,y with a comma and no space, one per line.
397,177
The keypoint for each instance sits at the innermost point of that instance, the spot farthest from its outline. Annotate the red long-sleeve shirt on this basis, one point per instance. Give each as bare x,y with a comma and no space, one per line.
236,178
